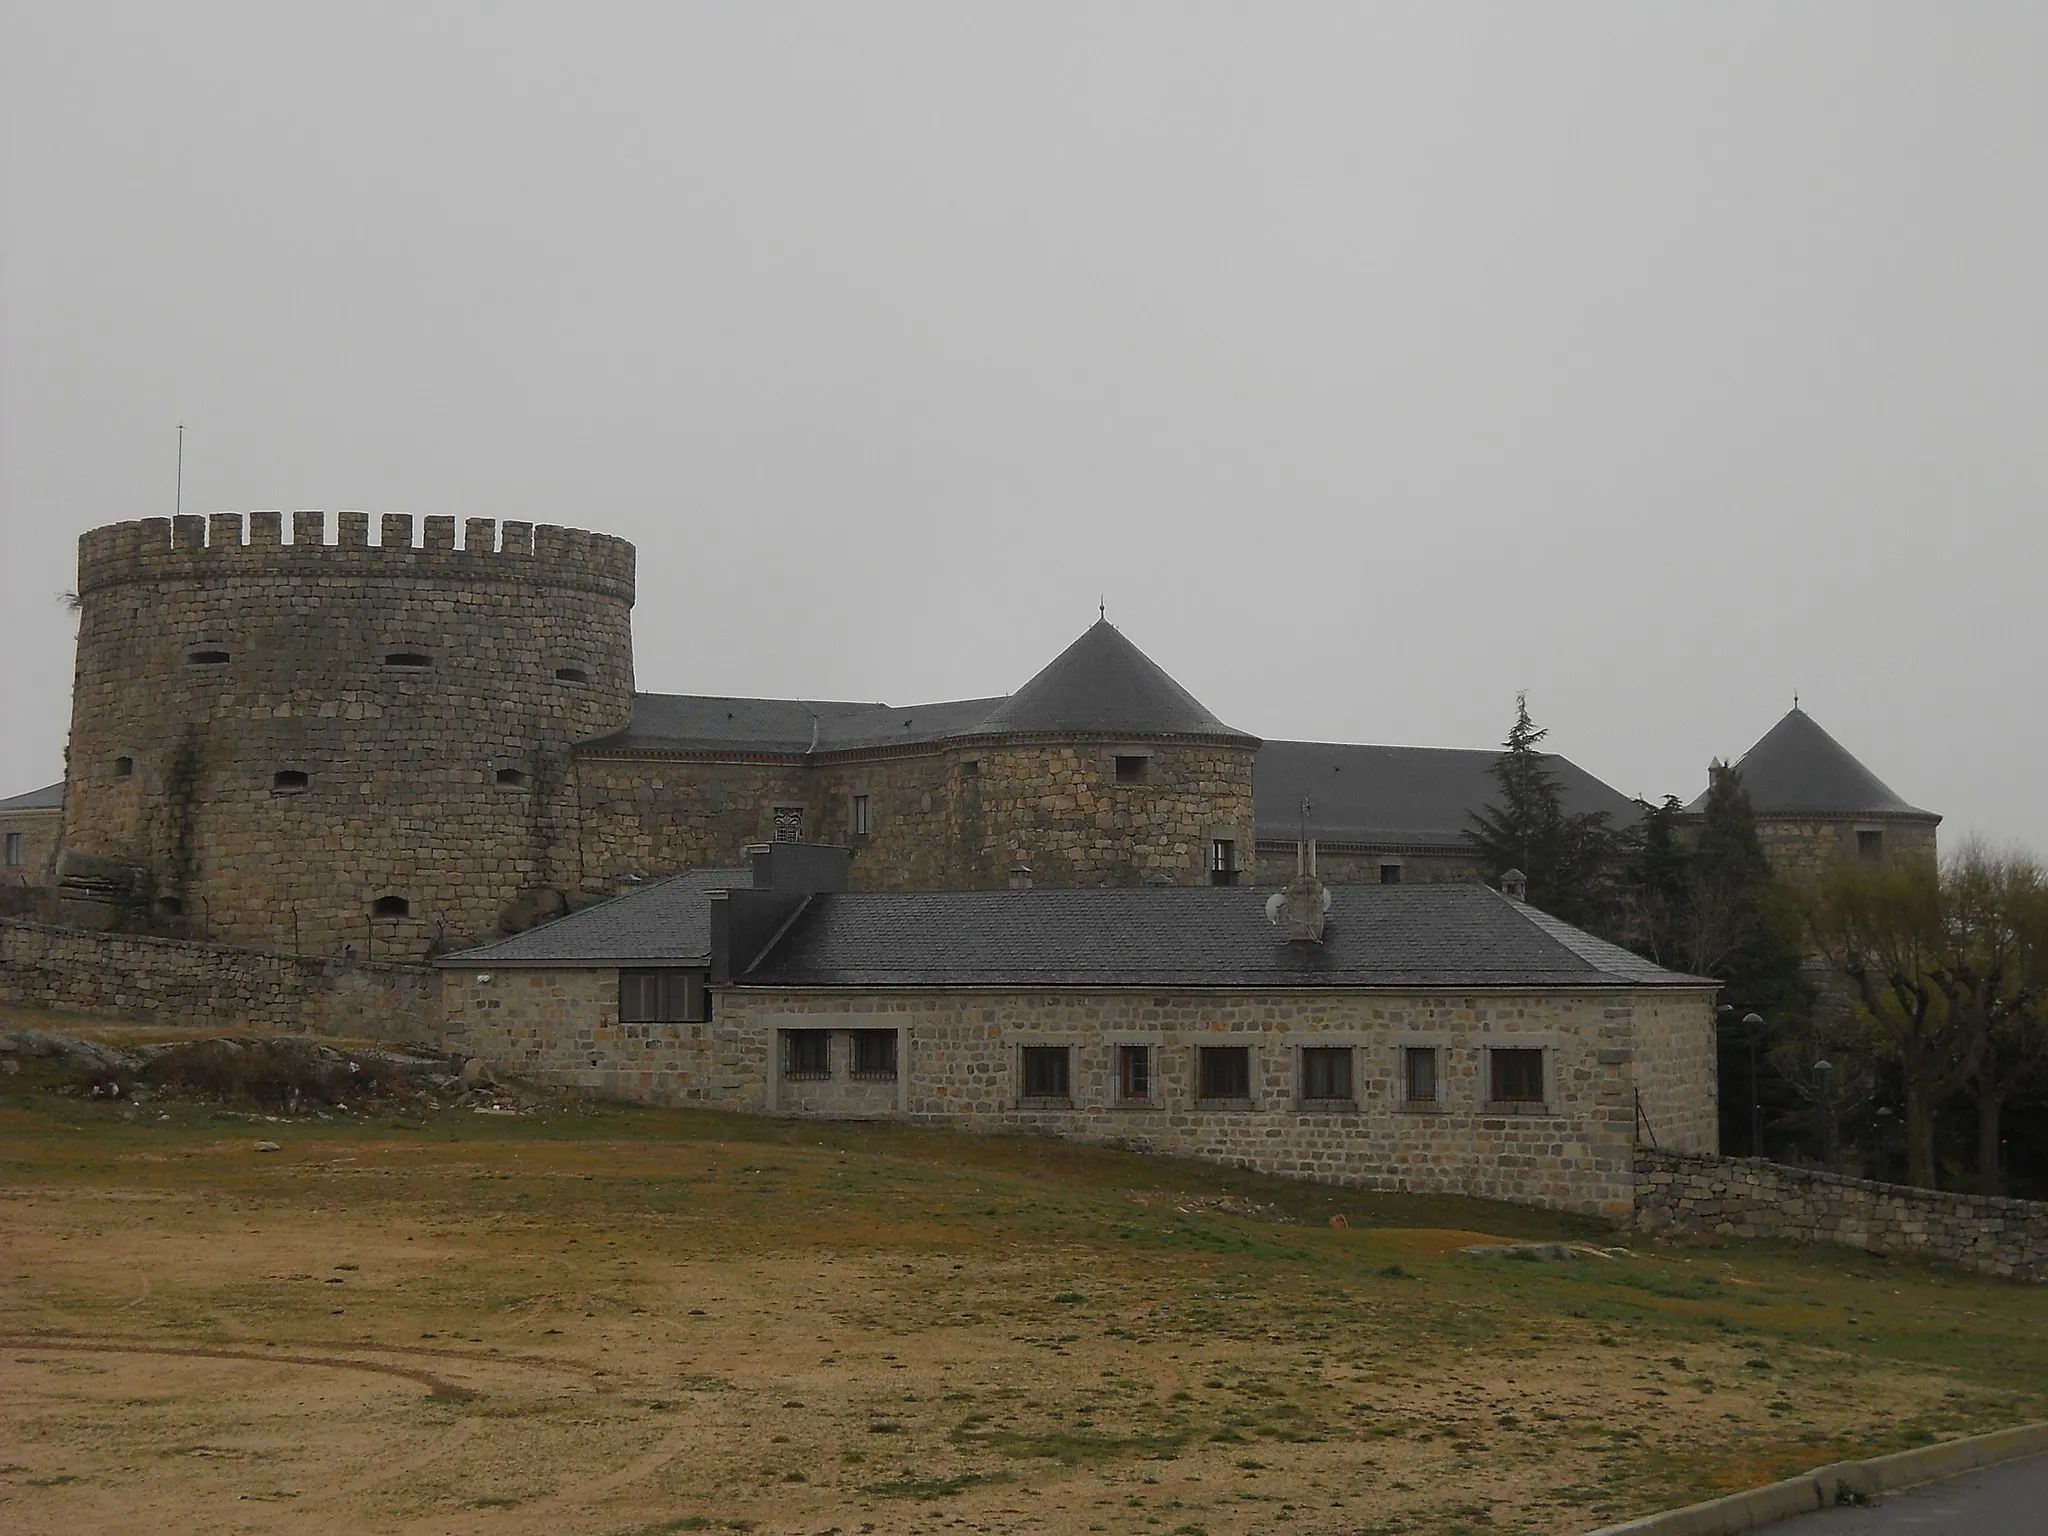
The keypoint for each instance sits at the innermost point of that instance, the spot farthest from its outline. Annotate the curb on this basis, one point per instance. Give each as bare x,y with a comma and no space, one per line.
1817,1489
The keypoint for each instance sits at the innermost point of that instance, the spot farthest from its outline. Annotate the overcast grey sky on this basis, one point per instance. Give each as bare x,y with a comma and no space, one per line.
1374,361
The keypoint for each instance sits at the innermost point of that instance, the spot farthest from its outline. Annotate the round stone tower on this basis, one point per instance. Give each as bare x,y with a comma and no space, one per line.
337,747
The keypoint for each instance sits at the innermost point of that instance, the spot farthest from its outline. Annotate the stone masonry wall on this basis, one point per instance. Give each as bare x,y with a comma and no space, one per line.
648,815
1748,1197
177,982
1677,1075
562,1027
1361,866
39,834
1804,849
420,703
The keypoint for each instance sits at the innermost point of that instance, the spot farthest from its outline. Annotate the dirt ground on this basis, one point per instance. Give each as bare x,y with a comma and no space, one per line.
625,1321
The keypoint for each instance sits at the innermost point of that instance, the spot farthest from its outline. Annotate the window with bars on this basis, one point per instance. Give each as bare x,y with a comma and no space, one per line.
1045,1072
1222,861
1517,1075
806,1054
1225,1071
874,1055
663,997
789,823
1134,1072
1418,1074
1325,1072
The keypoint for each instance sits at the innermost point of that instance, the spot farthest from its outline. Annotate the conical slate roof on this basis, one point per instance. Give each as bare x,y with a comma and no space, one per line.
1798,767
1104,683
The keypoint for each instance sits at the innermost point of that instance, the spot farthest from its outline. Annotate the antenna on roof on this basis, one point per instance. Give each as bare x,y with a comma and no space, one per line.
1102,608
1795,698
178,505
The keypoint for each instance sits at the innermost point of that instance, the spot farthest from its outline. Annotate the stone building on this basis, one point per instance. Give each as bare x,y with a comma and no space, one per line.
1422,1037
1817,807
30,827
400,748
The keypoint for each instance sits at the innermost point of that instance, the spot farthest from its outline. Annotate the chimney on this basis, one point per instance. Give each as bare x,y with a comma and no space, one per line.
1020,877
1514,885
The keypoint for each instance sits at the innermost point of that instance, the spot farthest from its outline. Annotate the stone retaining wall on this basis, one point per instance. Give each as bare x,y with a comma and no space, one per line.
213,986
1748,1197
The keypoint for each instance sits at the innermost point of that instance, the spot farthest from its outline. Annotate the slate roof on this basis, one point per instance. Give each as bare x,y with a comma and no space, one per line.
1448,935
668,922
1100,684
1103,683
49,798
1398,795
1798,767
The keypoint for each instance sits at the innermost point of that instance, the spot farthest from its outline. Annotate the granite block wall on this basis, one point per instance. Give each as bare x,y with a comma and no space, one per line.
176,982
561,1028
1748,1197
33,860
1803,849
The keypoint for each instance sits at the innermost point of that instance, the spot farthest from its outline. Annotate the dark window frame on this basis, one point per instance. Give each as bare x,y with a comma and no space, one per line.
1328,1074
1390,874
1870,842
1509,1070
1223,868
1045,1073
664,995
1135,1079
1223,1074
1425,1056
17,849
873,1056
861,816
806,1055
1131,767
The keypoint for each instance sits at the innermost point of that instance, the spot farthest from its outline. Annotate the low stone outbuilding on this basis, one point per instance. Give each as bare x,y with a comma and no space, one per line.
1433,1038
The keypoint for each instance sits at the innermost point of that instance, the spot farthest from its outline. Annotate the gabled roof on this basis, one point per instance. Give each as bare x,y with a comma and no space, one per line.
1394,796
49,798
1103,683
667,922
1798,767
1447,935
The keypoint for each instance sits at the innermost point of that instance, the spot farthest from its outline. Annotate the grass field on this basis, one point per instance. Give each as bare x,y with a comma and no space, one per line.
620,1320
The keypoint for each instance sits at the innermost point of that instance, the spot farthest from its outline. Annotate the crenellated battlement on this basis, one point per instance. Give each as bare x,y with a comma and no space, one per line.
196,548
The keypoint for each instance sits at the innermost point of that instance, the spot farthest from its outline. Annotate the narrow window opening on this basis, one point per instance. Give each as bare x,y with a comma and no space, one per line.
1418,1074
806,1054
1390,874
1869,843
1226,1071
970,768
874,1055
862,821
514,778
1134,1072
287,781
1517,1076
1131,770
206,658
15,857
1326,1073
789,823
571,675
391,906
1223,861
1045,1072
408,659
124,767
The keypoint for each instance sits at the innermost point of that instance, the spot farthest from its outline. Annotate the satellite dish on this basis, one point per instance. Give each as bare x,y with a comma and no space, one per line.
1273,903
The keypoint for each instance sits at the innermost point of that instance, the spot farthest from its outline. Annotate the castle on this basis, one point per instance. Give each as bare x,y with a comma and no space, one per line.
393,750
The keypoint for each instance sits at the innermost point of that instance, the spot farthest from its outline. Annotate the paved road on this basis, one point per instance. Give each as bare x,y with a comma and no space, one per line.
2008,1500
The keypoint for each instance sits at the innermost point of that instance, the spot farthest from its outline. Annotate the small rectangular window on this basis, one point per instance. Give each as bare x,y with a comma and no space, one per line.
1869,843
789,823
806,1054
1390,874
1131,770
1326,1073
15,858
1045,1072
124,767
1222,861
874,1055
1517,1076
1418,1074
1226,1071
1134,1072
662,997
288,781
861,823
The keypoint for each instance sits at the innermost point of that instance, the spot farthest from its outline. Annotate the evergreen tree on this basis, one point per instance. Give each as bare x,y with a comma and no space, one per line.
1573,863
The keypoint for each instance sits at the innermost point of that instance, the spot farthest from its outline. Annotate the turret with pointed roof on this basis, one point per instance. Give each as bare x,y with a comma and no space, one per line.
1817,806
1104,684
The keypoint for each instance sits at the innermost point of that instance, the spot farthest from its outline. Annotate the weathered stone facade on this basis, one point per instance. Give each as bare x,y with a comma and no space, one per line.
1748,1197
959,1059
1343,864
28,845
341,747
1804,848
215,986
